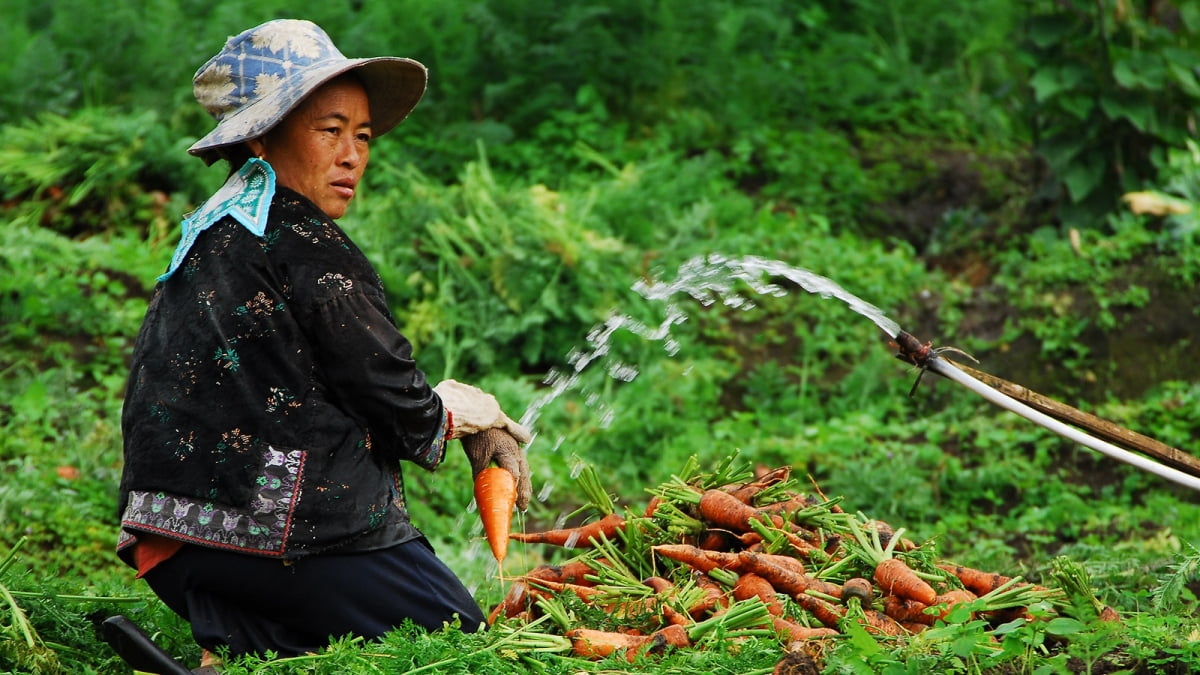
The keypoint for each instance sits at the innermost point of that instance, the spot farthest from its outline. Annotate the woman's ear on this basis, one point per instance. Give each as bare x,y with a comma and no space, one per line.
257,147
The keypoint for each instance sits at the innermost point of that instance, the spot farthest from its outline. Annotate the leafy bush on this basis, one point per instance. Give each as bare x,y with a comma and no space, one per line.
1115,85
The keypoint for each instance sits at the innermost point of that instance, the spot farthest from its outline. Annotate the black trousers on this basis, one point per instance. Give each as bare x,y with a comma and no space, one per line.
252,604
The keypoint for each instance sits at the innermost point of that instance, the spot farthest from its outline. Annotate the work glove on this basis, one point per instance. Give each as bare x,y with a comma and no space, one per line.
474,410
499,446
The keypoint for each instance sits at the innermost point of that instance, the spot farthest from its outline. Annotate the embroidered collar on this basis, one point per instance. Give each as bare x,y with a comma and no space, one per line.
246,196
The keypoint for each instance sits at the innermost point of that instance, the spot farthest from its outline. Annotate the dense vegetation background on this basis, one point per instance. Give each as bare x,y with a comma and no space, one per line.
962,165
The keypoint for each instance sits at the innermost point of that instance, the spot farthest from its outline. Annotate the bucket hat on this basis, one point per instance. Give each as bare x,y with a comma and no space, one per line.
262,74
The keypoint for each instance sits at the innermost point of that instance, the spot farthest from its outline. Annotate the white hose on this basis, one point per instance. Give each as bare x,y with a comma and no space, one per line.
945,368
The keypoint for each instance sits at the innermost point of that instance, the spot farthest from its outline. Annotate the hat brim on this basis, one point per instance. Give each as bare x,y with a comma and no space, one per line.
393,85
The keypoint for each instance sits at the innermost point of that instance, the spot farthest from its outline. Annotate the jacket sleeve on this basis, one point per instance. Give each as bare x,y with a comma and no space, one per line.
367,365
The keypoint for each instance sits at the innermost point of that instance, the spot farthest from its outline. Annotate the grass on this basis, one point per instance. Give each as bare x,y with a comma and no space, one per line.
515,225
794,379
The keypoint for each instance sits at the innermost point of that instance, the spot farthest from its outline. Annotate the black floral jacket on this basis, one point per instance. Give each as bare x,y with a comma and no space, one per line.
272,398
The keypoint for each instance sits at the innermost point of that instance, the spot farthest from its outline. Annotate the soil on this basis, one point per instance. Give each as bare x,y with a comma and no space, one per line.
959,210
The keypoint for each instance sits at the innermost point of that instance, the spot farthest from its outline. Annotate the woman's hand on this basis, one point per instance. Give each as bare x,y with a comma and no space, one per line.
499,446
474,410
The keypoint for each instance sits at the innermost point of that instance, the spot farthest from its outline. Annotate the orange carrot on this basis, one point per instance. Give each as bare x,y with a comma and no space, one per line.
976,581
750,585
791,631
784,561
879,622
951,598
714,595
720,540
572,572
592,643
785,579
698,558
495,495
906,611
576,571
858,588
664,588
515,601
723,510
787,506
574,537
672,636
895,577
585,593
827,613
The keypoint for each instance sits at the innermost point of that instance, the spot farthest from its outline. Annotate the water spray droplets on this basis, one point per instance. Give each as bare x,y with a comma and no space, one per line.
709,280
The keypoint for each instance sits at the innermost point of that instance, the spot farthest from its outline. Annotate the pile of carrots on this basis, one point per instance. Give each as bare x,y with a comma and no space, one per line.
715,557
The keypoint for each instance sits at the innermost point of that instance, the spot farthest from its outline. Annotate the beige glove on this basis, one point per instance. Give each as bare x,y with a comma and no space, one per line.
499,446
475,410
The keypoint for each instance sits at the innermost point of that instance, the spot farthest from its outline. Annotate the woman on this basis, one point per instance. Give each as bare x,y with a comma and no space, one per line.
271,397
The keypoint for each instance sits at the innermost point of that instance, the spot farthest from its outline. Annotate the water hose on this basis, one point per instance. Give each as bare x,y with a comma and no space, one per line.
925,357
947,369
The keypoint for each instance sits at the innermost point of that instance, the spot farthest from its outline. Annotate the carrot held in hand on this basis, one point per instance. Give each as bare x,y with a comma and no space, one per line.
496,495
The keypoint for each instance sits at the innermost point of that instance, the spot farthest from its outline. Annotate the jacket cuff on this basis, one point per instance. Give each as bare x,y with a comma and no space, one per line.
435,453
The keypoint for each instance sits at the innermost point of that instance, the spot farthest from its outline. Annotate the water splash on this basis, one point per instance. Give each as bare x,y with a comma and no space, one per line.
708,279
714,277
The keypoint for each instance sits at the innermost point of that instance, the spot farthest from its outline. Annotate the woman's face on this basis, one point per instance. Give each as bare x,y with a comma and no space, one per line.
321,148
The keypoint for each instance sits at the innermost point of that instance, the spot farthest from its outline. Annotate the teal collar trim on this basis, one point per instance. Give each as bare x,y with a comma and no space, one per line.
246,196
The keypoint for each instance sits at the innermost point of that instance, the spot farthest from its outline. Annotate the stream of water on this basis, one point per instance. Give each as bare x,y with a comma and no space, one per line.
708,279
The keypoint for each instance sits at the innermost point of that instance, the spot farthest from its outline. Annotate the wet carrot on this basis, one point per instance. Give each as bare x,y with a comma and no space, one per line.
720,540
496,495
585,593
895,577
723,510
515,601
906,611
949,599
698,558
714,596
976,581
750,585
882,623
574,537
827,613
790,630
572,572
592,643
664,588
785,579
858,588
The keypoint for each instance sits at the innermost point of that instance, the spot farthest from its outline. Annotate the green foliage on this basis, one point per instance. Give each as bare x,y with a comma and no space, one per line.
1115,85
91,171
565,153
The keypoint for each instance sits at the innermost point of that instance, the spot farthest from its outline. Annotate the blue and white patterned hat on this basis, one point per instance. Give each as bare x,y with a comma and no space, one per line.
263,73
